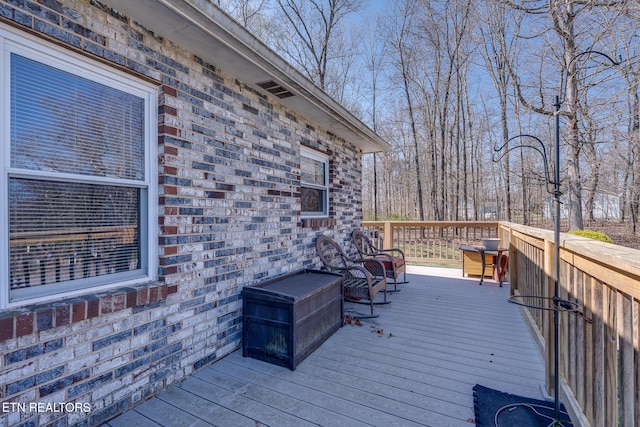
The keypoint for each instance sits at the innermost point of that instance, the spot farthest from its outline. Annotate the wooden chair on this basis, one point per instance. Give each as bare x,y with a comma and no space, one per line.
392,259
363,278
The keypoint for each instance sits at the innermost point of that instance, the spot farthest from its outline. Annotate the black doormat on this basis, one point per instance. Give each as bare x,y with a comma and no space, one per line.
493,405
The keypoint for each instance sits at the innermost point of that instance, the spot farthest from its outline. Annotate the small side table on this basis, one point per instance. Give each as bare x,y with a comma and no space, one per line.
496,255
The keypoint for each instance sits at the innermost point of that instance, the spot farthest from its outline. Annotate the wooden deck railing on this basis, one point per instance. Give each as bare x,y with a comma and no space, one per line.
429,242
599,349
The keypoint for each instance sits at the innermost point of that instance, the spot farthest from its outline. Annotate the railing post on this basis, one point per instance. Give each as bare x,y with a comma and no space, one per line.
547,320
512,269
388,234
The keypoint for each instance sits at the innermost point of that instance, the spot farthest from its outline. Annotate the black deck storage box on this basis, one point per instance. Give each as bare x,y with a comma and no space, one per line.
289,316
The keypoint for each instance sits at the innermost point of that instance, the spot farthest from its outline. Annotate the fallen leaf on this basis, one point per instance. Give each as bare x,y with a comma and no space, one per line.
348,320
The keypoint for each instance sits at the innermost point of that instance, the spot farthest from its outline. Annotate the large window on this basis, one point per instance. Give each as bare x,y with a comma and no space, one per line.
314,183
77,180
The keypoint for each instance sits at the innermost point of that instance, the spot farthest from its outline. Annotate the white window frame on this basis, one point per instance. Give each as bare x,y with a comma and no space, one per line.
324,159
26,45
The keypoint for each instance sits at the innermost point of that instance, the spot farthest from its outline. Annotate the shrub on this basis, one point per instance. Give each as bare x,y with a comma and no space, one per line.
593,235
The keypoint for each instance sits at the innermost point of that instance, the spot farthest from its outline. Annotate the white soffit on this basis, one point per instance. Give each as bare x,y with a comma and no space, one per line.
207,31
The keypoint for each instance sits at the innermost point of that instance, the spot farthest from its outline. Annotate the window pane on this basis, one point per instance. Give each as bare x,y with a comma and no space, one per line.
60,232
64,123
312,171
312,200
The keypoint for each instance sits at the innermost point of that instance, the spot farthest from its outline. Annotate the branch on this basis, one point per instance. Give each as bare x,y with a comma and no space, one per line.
536,10
516,84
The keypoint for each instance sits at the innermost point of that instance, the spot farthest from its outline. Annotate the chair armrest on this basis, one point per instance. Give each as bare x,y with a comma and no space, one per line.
392,250
354,271
383,256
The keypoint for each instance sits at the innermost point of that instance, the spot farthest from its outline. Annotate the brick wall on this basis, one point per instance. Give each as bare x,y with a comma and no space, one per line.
229,216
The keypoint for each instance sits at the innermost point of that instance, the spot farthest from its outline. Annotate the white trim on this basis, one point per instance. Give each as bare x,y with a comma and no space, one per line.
5,112
151,176
313,154
46,53
29,46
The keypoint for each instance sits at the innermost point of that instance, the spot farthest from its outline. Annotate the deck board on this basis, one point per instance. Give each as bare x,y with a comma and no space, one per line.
189,398
282,394
414,365
349,401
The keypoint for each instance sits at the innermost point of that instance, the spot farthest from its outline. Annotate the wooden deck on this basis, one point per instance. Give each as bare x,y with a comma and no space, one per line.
415,365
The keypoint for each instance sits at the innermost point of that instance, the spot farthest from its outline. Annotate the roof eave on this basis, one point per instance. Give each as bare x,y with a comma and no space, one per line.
210,33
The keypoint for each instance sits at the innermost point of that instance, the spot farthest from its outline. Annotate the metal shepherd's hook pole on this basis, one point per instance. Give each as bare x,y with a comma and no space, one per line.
556,263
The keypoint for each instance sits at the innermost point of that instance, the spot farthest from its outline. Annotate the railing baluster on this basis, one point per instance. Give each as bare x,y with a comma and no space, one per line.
430,241
627,364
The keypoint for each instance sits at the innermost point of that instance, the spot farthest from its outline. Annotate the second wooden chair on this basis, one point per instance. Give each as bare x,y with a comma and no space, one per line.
392,259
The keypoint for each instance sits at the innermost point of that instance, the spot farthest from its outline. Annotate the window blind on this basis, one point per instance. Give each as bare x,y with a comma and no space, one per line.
64,123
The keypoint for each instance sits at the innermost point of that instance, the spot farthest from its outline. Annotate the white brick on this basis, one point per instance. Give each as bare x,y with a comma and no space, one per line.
50,360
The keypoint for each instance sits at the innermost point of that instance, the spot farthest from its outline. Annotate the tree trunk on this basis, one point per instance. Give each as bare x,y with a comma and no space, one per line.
594,181
634,199
507,167
565,29
414,137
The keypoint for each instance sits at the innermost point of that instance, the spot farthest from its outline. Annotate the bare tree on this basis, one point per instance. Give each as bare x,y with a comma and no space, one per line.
564,17
252,14
401,43
313,37
631,72
499,44
533,50
374,64
445,32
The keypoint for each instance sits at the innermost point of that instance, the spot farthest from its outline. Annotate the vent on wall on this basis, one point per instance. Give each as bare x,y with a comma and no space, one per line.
276,89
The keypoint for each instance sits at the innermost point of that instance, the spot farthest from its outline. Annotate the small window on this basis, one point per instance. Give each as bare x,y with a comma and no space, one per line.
79,176
314,183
